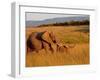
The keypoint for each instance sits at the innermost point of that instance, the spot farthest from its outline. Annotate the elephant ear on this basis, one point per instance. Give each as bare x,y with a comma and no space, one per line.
52,36
46,37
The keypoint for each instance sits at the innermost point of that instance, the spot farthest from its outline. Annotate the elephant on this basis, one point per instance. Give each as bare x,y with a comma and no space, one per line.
41,40
64,48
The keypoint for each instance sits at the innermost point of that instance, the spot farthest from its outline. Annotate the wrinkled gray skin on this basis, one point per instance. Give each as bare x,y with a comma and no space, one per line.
40,40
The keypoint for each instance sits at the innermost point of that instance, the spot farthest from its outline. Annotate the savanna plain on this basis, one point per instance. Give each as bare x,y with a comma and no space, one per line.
69,35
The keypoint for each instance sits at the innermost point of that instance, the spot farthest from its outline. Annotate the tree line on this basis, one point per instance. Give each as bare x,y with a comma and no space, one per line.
73,23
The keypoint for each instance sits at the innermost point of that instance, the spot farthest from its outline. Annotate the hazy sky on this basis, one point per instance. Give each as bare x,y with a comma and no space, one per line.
42,16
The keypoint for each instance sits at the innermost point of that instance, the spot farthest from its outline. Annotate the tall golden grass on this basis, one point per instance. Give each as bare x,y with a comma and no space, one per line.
78,35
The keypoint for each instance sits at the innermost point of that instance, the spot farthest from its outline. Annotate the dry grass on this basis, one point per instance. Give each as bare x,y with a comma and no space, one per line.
76,34
77,55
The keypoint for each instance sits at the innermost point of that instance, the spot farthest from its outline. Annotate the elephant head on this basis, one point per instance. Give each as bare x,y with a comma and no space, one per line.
50,38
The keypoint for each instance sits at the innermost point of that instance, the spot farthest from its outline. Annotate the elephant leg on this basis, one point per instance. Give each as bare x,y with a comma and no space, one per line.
66,48
61,49
45,46
58,48
54,48
51,49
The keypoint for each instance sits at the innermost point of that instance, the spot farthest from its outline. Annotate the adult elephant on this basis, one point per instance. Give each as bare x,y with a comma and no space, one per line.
41,40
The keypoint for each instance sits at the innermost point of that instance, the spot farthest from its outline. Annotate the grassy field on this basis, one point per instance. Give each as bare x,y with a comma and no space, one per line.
78,35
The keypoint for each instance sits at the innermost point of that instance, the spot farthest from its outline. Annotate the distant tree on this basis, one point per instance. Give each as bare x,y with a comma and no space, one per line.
84,22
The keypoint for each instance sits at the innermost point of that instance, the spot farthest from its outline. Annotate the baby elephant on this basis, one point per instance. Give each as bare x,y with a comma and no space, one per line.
64,48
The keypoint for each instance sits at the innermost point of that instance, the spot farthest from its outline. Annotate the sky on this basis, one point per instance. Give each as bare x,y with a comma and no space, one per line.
42,16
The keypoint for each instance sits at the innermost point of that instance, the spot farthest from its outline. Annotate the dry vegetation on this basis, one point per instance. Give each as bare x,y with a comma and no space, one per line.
78,35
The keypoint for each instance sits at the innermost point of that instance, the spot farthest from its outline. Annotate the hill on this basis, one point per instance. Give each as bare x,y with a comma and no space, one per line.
56,20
